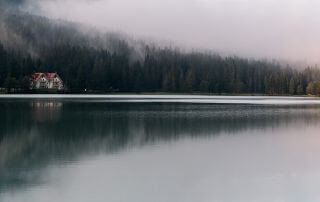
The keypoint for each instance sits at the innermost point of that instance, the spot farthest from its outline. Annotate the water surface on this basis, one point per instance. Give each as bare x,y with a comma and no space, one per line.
159,148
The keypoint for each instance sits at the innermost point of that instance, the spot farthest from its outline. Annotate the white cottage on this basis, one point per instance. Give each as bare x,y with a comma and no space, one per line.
46,81
54,81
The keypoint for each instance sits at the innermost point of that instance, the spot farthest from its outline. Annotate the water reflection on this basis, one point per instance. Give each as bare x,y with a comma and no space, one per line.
46,110
35,134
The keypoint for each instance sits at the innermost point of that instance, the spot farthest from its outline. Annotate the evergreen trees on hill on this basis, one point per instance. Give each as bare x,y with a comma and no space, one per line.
108,63
161,70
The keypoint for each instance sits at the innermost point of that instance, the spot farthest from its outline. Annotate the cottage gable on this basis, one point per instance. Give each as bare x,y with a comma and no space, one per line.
46,81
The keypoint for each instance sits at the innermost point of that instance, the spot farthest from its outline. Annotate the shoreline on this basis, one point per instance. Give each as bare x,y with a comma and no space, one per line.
161,96
165,98
160,93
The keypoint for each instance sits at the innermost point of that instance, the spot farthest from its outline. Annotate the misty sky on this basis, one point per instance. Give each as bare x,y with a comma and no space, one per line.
280,29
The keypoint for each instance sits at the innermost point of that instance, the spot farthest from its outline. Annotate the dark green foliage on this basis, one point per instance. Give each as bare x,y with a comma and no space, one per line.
111,64
163,70
313,88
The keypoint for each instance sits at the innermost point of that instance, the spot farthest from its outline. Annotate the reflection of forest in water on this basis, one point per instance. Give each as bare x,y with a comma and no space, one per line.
37,133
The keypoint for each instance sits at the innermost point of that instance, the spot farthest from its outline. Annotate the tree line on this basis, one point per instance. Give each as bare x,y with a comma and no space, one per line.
89,61
161,70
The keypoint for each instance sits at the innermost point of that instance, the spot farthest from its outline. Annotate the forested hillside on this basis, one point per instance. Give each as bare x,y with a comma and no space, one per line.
110,63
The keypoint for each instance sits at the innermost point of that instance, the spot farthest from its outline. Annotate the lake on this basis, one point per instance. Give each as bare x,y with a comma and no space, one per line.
159,148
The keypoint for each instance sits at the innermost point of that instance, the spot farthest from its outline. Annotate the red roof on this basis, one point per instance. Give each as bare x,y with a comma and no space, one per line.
51,75
36,76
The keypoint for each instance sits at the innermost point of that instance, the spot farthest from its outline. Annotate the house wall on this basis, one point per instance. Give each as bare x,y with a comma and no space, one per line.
55,83
42,83
45,83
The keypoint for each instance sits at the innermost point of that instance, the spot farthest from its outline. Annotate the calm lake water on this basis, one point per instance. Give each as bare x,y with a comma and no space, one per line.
76,148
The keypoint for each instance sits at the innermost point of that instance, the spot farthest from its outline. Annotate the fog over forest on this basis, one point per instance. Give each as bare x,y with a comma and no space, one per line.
234,47
285,30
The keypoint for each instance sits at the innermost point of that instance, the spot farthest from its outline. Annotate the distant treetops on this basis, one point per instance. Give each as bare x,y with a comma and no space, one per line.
84,69
109,63
313,88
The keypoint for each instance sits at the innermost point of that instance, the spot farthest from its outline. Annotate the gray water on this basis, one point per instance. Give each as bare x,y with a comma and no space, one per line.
74,148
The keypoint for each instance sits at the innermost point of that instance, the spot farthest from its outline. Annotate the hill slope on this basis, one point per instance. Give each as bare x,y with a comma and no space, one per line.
108,62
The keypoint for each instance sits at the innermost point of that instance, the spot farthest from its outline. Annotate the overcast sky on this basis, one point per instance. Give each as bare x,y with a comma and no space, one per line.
280,29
